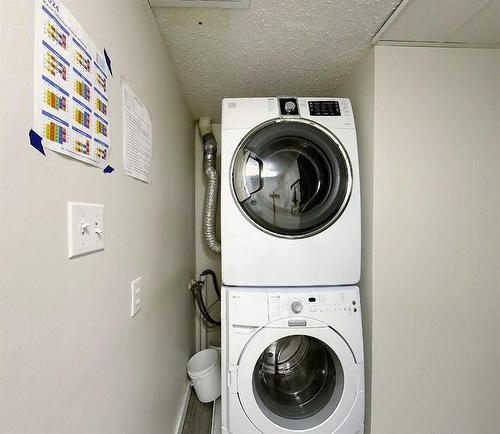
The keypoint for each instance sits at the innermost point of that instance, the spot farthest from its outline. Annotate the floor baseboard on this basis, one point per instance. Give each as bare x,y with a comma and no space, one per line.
216,417
182,412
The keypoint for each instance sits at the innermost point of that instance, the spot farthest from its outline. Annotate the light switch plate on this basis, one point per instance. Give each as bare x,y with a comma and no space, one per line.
85,228
136,300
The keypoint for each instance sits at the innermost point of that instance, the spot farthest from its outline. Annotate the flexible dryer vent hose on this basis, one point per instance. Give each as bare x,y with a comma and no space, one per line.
209,168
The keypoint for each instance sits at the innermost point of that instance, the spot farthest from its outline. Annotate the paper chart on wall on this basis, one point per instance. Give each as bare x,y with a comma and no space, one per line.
71,102
137,136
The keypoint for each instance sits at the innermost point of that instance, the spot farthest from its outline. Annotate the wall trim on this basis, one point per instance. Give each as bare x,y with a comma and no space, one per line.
395,13
183,410
437,44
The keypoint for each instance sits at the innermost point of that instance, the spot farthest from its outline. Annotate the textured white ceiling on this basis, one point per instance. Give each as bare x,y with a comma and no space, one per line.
276,47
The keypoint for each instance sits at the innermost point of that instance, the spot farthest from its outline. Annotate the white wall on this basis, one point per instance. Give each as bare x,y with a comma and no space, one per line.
436,242
436,247
360,88
71,358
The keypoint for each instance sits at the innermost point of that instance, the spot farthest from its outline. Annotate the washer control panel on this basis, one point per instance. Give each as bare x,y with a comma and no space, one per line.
321,305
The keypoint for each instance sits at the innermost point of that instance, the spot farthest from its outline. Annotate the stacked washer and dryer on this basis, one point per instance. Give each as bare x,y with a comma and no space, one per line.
292,345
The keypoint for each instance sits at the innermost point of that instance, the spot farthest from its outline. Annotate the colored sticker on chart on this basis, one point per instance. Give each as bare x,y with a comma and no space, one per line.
81,142
54,96
54,128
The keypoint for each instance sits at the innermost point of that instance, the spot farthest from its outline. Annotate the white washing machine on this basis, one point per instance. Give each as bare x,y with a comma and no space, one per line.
290,199
292,361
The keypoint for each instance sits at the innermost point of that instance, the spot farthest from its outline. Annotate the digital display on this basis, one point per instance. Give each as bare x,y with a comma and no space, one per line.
324,108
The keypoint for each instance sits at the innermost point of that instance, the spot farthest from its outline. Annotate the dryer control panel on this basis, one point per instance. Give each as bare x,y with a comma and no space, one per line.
324,108
330,112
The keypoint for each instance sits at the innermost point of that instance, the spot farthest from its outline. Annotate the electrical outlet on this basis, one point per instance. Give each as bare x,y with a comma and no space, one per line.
136,300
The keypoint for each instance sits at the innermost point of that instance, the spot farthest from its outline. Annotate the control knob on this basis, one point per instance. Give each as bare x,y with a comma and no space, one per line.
290,106
296,307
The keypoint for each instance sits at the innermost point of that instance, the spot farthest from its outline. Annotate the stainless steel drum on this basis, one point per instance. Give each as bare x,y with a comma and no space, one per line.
295,376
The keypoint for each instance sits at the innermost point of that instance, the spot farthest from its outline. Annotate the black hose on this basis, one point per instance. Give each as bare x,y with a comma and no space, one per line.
214,281
198,295
201,305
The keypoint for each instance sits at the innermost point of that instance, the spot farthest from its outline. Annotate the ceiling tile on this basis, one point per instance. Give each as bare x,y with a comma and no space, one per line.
430,20
483,27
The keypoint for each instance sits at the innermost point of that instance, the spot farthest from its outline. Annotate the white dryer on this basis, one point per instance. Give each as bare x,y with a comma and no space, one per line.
292,361
290,199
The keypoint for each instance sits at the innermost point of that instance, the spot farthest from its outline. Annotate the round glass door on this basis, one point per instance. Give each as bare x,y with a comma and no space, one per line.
295,378
291,178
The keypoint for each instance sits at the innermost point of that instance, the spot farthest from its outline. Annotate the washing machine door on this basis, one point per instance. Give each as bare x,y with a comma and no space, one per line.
292,380
291,178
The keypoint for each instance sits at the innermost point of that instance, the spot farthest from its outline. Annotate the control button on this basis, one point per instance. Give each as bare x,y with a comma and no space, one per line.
296,307
354,302
355,310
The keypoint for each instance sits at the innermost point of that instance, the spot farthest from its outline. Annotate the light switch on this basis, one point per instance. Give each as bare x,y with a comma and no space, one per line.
136,301
85,228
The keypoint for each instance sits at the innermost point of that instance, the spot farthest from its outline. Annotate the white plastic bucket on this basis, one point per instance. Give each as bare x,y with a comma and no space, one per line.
204,370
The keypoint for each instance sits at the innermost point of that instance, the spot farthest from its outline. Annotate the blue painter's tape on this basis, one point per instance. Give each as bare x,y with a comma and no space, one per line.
108,169
36,141
108,61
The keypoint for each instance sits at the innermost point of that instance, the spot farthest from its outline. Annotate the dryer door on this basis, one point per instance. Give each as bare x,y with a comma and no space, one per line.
297,380
291,178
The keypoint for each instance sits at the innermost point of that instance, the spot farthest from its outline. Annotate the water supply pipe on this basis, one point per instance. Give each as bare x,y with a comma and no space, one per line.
209,168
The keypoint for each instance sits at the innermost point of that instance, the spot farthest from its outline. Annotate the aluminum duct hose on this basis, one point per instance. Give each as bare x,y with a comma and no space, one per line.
209,168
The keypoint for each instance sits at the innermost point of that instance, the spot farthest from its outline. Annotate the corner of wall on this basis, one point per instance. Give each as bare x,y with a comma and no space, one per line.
359,87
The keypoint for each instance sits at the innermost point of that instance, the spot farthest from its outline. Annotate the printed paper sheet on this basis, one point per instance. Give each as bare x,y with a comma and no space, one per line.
71,87
137,136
